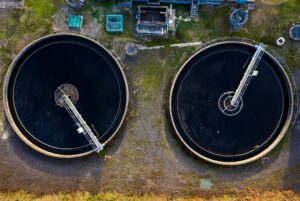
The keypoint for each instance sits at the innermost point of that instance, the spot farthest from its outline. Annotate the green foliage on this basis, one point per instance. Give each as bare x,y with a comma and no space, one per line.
27,23
151,78
43,9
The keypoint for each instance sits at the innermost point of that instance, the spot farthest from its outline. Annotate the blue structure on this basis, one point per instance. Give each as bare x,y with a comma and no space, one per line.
75,22
194,11
75,3
241,1
194,3
197,2
238,18
295,32
114,23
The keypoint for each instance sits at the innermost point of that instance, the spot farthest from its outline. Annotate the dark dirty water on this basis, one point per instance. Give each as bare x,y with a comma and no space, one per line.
73,60
198,118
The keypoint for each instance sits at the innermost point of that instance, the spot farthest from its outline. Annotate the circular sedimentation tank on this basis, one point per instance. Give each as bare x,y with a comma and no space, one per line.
86,72
212,128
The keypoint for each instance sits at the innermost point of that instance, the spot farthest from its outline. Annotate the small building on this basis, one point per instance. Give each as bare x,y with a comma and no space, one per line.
194,4
198,2
154,20
75,22
114,23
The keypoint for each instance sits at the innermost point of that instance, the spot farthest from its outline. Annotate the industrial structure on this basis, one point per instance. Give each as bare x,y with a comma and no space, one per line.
194,9
189,2
76,4
114,23
231,103
222,107
238,18
41,96
295,32
63,95
155,20
75,22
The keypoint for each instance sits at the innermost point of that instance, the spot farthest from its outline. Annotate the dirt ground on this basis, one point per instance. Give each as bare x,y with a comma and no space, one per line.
147,157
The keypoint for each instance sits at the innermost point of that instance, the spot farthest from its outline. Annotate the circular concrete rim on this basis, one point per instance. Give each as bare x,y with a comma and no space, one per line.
10,117
265,151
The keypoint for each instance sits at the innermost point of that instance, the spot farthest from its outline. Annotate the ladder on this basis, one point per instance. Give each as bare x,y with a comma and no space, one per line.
194,11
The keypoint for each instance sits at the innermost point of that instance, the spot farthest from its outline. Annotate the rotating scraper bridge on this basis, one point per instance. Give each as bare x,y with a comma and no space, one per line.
82,127
222,108
68,126
231,103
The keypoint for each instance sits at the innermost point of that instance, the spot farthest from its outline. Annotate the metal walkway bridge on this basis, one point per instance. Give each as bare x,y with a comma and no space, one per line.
80,123
250,72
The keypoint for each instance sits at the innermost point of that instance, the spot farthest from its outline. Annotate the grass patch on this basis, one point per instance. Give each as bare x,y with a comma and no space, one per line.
43,8
150,81
23,25
85,196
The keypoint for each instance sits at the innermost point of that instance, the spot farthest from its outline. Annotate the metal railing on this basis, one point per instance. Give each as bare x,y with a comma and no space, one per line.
248,74
81,124
280,59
